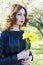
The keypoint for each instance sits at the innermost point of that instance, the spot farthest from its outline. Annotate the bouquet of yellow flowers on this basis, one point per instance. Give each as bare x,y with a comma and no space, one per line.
30,37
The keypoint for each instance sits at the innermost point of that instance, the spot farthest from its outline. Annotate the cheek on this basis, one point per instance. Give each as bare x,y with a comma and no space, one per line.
18,18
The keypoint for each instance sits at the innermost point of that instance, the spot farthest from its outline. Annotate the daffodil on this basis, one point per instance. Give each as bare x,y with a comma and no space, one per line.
26,35
30,37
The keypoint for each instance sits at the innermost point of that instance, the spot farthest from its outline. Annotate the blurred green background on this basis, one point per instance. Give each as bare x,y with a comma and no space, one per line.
35,23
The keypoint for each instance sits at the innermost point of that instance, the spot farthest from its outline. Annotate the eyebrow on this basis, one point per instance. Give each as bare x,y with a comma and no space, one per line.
20,13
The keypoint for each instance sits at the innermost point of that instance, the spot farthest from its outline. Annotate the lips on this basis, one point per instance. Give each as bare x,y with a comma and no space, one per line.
21,21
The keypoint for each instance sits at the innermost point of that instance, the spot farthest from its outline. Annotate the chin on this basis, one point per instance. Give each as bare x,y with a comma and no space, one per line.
21,24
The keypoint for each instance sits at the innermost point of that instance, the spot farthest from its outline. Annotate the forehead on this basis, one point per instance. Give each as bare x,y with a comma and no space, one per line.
21,11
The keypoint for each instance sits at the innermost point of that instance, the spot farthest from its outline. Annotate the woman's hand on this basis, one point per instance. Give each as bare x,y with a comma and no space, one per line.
23,54
26,62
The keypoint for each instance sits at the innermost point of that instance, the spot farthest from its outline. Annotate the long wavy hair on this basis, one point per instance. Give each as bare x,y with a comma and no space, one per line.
11,17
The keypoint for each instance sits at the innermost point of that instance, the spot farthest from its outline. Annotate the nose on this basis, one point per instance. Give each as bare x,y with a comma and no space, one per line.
23,17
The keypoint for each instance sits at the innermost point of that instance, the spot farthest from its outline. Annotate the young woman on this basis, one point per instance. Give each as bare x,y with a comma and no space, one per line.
11,43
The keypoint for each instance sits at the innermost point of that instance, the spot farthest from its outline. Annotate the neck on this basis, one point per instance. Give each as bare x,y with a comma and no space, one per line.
15,28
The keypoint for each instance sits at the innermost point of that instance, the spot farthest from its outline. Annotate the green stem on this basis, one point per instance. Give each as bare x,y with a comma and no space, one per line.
27,44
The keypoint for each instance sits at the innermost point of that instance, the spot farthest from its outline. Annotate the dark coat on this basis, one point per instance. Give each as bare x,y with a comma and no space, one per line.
11,43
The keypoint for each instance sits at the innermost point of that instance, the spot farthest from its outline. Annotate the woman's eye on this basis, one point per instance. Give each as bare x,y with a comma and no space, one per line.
24,15
19,14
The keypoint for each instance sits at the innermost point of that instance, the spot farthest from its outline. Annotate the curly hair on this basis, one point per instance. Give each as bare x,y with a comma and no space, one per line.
11,17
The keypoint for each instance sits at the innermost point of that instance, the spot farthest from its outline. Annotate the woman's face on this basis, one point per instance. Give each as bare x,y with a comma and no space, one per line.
20,17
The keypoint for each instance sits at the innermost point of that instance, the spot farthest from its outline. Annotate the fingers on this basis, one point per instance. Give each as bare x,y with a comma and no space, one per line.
26,62
29,60
23,62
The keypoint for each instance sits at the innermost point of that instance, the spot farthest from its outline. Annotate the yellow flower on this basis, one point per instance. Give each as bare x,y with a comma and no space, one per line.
26,35
31,36
32,39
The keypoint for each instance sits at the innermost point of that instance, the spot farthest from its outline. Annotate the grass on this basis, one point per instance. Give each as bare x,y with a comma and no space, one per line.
37,47
37,50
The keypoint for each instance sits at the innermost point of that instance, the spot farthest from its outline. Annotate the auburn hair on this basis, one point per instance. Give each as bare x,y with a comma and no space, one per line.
11,17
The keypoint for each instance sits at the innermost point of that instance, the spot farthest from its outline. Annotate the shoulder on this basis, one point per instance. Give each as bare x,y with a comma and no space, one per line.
3,33
22,31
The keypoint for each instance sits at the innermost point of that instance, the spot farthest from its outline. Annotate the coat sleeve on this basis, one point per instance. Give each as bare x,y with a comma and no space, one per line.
30,51
9,59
